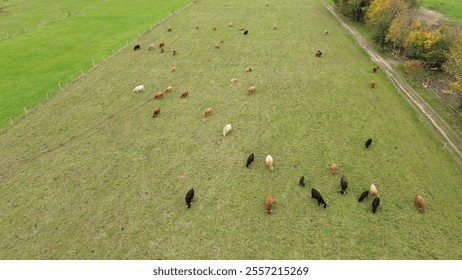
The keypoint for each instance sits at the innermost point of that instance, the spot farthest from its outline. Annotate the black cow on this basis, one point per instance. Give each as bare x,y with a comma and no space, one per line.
189,197
368,142
249,160
363,196
343,184
301,182
137,47
375,204
246,32
317,195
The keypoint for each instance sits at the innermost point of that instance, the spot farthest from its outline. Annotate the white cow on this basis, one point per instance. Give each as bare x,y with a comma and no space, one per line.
138,88
227,129
269,162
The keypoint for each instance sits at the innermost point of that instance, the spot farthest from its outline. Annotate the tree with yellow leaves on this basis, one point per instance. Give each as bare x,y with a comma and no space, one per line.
428,43
380,15
399,29
454,66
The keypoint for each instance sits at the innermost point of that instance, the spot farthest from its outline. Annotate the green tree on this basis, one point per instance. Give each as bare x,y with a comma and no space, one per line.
354,9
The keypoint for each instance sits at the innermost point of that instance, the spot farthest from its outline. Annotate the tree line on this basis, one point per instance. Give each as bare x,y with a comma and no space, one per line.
395,24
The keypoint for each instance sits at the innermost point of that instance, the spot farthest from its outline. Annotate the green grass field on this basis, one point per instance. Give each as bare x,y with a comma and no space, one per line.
90,174
452,9
19,16
55,52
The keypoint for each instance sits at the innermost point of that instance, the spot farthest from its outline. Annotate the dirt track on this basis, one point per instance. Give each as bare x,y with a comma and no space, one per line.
448,136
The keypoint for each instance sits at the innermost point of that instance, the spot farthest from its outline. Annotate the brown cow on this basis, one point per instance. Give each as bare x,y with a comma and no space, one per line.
248,69
318,53
184,94
207,112
420,203
217,46
156,112
375,69
168,89
159,95
269,204
333,168
161,45
252,89
275,27
373,83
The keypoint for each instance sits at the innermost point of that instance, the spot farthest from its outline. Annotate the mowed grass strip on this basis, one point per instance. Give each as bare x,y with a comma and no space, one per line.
33,64
91,175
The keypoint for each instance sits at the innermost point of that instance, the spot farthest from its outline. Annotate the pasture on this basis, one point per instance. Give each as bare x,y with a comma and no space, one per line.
90,174
63,39
452,9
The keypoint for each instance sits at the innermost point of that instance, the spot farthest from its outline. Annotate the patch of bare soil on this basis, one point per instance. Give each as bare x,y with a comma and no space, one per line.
430,16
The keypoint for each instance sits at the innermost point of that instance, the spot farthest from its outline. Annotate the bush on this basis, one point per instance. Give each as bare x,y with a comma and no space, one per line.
415,68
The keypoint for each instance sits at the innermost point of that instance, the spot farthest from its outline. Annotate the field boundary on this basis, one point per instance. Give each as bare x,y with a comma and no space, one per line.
446,133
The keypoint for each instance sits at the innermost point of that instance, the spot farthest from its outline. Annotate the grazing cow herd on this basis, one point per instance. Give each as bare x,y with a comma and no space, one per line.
315,194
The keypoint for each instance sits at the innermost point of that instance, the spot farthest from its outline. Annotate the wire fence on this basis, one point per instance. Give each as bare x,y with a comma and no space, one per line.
451,99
